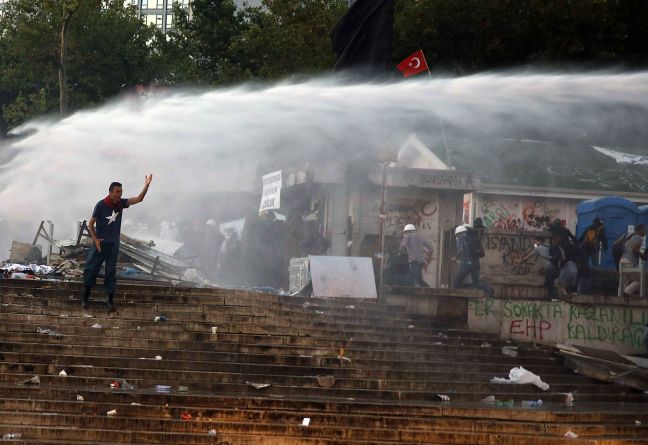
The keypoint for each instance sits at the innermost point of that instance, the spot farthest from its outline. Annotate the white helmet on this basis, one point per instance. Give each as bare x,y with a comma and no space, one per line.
461,229
409,227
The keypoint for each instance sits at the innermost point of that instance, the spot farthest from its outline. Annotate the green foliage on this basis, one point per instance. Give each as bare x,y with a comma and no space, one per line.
108,46
23,108
216,43
464,36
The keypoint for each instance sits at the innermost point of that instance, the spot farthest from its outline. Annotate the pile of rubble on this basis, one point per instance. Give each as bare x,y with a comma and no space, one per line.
138,260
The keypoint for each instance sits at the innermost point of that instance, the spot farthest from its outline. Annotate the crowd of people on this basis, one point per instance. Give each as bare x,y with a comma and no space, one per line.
568,261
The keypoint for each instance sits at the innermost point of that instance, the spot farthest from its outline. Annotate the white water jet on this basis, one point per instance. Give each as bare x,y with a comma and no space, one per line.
199,142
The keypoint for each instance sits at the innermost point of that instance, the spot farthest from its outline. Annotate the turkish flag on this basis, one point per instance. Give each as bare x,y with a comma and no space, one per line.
414,64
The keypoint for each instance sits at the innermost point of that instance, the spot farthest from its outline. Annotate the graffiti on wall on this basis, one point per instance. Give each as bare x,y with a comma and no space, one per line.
421,213
537,215
506,269
509,214
499,215
562,321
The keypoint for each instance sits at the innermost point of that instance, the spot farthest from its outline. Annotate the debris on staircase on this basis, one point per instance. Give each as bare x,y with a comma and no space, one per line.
326,381
607,366
521,376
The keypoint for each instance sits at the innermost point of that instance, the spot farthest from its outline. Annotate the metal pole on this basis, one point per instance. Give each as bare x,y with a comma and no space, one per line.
382,231
51,241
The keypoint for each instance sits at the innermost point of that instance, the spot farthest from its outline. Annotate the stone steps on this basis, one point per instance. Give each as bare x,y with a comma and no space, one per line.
386,392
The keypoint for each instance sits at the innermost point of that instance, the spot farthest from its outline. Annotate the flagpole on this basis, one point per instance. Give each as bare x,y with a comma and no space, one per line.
382,231
426,65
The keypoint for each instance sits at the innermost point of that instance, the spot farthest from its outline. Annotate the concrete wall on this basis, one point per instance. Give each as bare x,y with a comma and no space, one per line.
505,212
603,326
503,250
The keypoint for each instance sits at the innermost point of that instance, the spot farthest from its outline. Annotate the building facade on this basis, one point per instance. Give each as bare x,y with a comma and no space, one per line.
157,12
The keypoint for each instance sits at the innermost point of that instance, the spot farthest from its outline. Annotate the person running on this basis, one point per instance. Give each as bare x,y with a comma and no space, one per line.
418,251
469,252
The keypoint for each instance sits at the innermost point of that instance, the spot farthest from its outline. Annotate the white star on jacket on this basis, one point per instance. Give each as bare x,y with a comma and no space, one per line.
111,219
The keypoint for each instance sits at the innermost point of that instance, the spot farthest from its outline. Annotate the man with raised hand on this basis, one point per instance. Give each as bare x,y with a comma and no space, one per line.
107,216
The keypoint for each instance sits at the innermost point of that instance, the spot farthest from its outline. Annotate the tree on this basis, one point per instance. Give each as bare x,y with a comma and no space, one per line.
52,59
198,47
287,38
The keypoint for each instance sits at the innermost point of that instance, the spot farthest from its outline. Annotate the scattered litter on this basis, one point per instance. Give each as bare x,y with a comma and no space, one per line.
161,318
258,385
346,359
306,421
522,376
10,436
569,398
488,399
437,343
532,403
33,381
48,332
127,386
411,326
319,312
443,397
214,329
505,403
306,305
185,416
510,351
211,433
305,356
162,388
442,336
485,345
63,373
183,388
638,422
115,385
112,412
158,357
96,326
136,404
326,381
79,398
87,315
571,435
350,306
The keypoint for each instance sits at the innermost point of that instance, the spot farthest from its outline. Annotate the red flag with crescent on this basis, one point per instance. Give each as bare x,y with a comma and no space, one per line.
414,64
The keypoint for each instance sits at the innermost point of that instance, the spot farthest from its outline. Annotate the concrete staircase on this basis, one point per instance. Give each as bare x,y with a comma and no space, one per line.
380,374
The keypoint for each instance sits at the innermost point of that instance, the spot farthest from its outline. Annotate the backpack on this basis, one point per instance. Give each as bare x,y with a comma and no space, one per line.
591,237
475,248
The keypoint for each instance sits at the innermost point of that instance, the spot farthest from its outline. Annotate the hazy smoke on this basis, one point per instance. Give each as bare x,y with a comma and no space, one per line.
197,142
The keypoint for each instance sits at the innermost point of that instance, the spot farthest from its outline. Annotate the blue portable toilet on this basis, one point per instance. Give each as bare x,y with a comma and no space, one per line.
616,213
643,215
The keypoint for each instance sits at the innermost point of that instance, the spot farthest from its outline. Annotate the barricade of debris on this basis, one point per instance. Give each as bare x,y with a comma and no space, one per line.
138,260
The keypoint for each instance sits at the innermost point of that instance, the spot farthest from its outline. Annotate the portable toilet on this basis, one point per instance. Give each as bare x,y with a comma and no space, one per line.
618,214
643,215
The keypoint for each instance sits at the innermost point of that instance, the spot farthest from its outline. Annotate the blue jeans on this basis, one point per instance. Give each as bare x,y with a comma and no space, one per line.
471,268
108,254
416,273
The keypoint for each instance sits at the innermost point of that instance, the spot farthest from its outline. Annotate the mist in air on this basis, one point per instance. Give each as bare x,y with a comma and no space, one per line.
200,142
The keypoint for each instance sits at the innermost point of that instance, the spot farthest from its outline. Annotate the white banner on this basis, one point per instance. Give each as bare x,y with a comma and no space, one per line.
271,196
